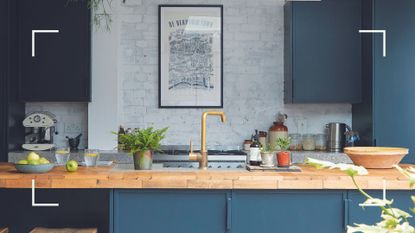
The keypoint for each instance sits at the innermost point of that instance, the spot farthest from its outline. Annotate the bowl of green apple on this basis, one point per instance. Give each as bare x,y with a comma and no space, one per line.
34,163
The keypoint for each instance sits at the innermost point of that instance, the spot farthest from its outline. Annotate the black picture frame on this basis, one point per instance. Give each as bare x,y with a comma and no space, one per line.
161,6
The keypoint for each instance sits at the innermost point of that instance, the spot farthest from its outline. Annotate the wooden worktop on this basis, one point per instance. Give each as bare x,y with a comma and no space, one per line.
107,177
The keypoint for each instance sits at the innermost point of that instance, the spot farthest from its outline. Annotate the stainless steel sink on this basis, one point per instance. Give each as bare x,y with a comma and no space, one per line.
179,158
227,159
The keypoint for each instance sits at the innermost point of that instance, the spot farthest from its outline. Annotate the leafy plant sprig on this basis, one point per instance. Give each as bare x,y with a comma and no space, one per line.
142,140
394,220
283,143
267,148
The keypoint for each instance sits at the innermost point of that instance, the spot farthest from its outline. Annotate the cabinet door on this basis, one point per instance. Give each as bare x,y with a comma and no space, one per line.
162,211
394,75
371,215
4,22
78,208
323,61
60,70
287,211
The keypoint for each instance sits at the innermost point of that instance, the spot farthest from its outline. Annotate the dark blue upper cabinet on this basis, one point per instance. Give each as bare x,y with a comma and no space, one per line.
60,70
323,51
11,110
394,75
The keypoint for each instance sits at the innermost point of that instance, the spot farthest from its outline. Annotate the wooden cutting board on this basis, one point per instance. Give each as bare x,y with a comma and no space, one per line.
275,168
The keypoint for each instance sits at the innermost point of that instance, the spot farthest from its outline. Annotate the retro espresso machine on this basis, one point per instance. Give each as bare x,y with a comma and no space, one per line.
40,128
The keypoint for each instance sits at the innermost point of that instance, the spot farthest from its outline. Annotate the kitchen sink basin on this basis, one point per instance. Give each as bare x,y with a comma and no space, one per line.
218,159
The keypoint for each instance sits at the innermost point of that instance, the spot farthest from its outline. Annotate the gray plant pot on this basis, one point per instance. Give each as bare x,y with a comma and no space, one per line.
143,160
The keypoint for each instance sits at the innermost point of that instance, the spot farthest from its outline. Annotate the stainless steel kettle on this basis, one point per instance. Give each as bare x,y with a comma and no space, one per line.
336,133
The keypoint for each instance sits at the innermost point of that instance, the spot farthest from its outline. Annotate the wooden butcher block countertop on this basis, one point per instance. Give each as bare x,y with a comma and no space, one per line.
107,177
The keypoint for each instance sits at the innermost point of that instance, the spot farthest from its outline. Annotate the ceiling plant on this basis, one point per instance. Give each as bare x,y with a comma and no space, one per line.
393,220
100,12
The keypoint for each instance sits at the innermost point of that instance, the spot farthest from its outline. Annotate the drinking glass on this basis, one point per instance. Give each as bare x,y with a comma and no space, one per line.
91,157
62,155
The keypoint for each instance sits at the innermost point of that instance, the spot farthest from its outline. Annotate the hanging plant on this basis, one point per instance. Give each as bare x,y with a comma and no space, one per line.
100,12
100,15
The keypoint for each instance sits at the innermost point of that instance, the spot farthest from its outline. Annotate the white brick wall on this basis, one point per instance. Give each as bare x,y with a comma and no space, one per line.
72,119
253,74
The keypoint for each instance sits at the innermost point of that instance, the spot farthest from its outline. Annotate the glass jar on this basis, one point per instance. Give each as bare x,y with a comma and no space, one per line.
309,142
247,145
296,142
321,142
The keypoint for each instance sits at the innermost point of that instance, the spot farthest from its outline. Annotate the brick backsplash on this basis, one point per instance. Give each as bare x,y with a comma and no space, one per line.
253,75
72,119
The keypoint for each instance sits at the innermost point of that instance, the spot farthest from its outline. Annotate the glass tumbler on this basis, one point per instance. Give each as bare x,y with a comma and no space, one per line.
62,155
91,157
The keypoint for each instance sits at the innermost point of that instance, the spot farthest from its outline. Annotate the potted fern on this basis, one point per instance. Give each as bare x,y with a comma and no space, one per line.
142,143
284,156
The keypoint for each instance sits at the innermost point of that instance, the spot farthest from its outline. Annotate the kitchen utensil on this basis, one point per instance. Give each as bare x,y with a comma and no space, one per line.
40,128
28,168
376,157
336,136
278,130
74,142
309,142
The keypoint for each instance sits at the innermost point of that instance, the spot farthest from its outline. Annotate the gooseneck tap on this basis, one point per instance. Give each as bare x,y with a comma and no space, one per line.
202,157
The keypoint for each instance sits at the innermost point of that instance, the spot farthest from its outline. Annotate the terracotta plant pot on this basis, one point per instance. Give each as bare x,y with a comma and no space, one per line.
284,158
143,160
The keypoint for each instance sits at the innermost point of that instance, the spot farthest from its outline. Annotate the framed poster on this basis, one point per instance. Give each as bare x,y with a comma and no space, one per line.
190,56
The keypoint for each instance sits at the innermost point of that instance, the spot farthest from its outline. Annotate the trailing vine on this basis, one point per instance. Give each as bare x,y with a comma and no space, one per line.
100,12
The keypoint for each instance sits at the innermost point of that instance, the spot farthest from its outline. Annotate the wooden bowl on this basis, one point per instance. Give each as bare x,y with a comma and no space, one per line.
376,157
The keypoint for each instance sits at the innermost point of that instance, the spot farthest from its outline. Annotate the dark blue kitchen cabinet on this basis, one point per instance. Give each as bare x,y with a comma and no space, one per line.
323,51
173,211
60,70
371,215
394,75
288,211
78,208
11,110
387,116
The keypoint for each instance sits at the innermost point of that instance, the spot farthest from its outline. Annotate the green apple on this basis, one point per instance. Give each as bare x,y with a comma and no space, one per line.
23,161
71,166
33,162
43,161
33,156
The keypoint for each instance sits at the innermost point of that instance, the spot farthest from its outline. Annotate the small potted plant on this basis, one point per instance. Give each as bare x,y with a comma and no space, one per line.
142,143
268,155
284,156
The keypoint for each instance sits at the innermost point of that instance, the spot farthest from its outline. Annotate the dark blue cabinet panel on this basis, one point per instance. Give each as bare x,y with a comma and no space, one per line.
323,51
11,110
60,70
162,211
371,215
287,211
78,208
394,75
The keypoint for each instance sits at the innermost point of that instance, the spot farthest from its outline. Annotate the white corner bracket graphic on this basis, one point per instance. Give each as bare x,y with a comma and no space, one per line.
384,197
40,204
34,35
383,35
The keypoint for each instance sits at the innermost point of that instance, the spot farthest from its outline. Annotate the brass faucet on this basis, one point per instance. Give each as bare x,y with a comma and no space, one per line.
202,157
